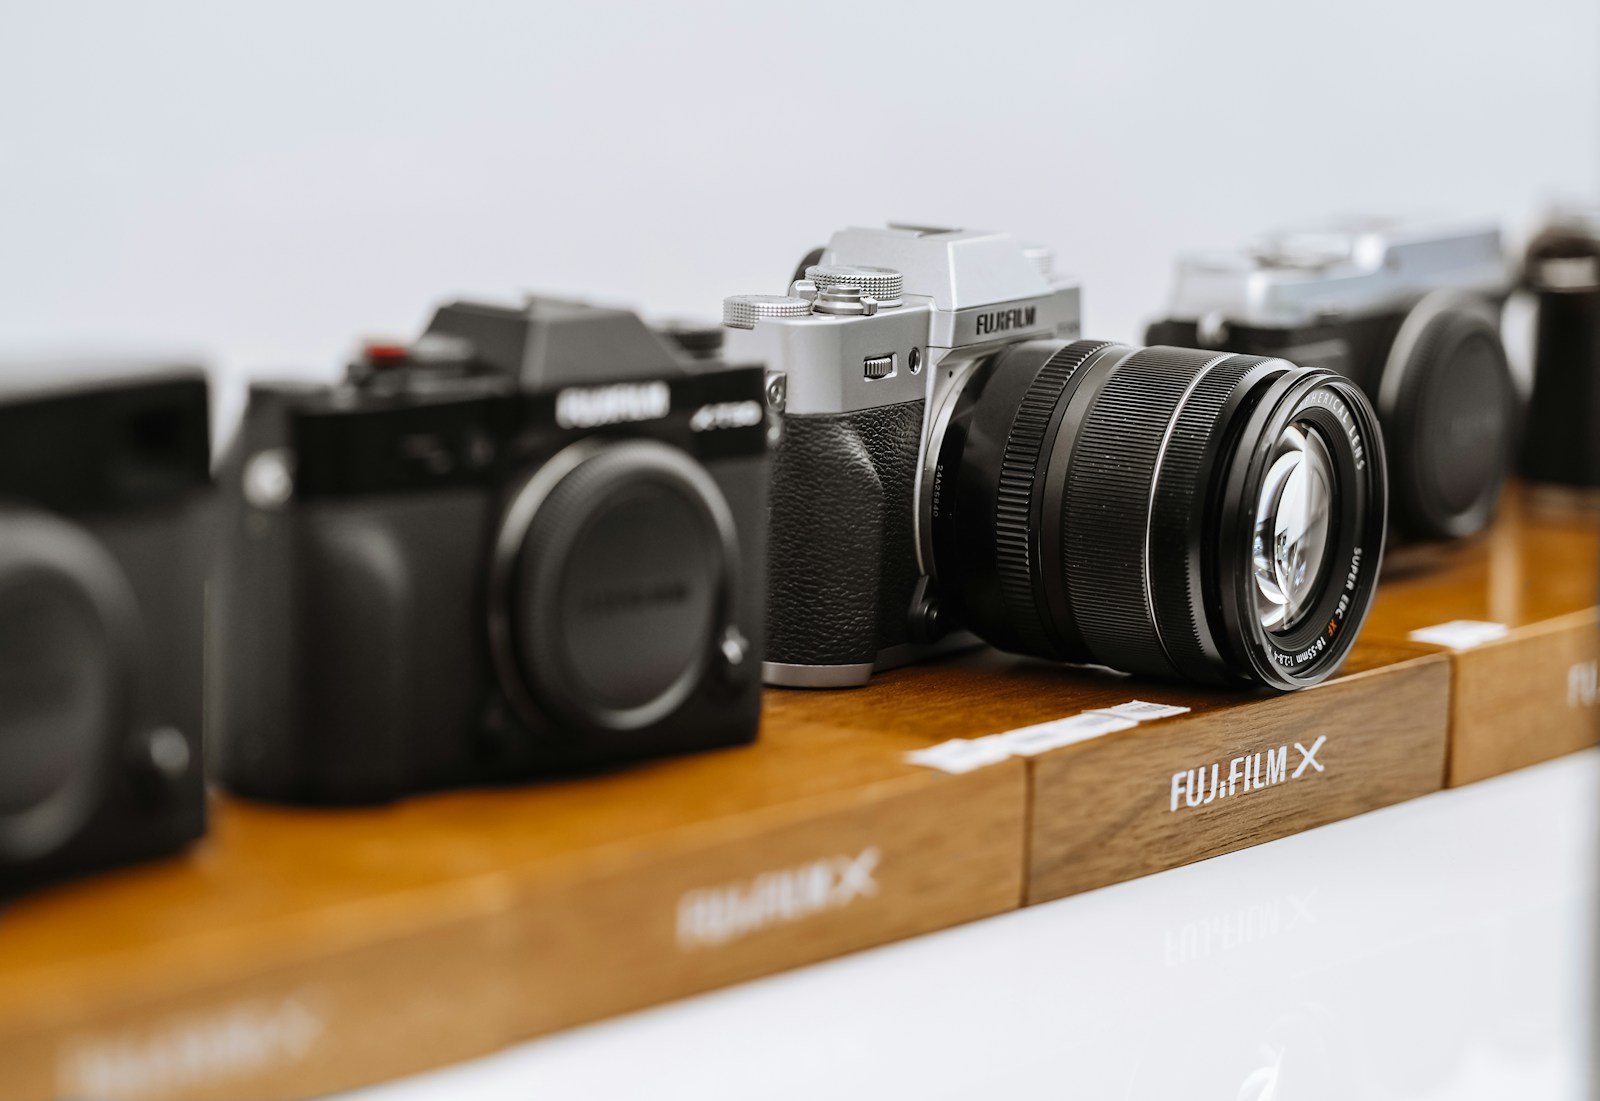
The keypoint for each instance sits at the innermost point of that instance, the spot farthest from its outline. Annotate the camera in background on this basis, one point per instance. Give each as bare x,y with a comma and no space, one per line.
104,525
1411,313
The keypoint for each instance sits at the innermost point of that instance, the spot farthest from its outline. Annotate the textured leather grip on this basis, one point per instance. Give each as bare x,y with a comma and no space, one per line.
842,560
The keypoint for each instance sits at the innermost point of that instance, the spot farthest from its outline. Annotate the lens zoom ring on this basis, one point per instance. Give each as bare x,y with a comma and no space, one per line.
1180,497
1019,469
1108,506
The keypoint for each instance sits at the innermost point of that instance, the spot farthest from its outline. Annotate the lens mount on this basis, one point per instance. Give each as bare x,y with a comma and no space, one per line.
1093,496
1448,406
612,579
69,640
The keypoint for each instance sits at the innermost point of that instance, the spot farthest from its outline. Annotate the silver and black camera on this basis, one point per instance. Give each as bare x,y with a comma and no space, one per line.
1411,313
954,463
531,541
105,497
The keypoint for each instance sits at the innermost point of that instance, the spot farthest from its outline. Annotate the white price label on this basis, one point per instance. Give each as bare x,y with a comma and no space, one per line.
1029,740
1141,710
1461,634
960,755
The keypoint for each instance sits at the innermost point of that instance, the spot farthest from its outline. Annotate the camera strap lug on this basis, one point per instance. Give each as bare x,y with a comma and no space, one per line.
926,621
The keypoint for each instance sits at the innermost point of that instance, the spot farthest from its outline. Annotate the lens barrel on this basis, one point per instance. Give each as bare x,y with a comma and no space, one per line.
1178,513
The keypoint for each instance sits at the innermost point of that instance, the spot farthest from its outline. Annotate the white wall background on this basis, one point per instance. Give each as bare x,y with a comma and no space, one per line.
266,185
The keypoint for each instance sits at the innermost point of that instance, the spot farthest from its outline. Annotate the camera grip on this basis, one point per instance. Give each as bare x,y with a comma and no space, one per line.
842,561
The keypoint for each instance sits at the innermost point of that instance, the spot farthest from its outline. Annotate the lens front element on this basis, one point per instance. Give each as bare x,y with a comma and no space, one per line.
1293,519
1165,511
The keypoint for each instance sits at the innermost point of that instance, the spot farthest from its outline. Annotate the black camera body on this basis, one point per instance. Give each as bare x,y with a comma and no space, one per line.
1562,271
1412,316
104,527
531,542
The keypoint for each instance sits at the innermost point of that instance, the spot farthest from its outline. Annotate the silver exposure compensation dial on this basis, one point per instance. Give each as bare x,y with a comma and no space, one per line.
742,311
885,285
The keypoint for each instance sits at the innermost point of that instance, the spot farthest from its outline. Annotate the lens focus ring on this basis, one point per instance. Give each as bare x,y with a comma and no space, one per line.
1015,504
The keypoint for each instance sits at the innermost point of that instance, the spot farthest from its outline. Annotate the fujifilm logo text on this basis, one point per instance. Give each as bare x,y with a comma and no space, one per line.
592,406
194,1055
714,916
1196,787
1003,321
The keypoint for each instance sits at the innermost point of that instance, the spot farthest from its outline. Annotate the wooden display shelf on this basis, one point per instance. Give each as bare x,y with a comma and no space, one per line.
1101,809
295,952
1531,694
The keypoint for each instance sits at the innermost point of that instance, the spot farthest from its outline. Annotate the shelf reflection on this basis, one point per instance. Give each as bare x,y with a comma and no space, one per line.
1442,948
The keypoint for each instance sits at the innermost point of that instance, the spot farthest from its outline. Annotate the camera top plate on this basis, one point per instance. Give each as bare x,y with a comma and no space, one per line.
1347,269
962,289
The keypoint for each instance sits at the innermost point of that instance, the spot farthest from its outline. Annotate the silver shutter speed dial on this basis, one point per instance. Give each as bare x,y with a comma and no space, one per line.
885,285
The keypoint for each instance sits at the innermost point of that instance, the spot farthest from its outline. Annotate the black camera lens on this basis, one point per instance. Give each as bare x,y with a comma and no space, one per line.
1164,511
612,580
67,629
